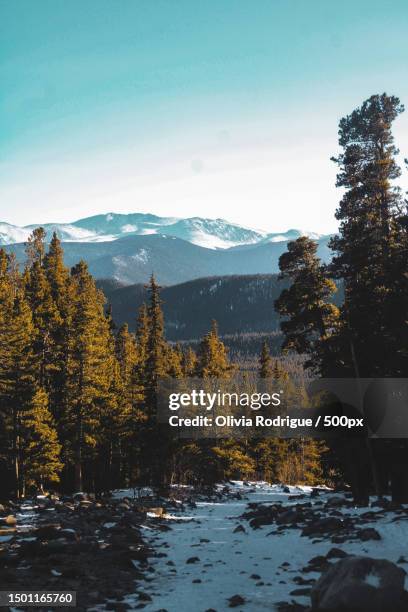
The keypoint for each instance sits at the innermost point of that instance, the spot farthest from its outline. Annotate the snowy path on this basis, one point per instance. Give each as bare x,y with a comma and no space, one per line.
248,564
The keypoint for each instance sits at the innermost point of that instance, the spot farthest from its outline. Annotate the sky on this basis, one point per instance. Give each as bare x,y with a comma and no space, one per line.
223,108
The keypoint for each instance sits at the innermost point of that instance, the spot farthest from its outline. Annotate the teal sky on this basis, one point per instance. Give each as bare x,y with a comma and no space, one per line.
223,108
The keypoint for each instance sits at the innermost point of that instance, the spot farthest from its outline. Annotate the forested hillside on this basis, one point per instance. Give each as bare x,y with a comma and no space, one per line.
78,395
240,304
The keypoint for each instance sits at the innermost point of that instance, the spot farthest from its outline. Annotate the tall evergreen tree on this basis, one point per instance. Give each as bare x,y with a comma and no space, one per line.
265,362
309,318
89,370
39,448
369,238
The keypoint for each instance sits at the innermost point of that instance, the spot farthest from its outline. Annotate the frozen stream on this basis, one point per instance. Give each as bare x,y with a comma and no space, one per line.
246,564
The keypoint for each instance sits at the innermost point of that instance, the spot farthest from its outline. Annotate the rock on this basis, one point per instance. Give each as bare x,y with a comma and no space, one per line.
2,509
255,576
301,592
235,601
48,532
360,584
368,534
336,553
289,516
381,502
193,560
336,502
303,582
157,511
318,564
68,534
144,596
86,503
79,497
324,525
239,529
10,520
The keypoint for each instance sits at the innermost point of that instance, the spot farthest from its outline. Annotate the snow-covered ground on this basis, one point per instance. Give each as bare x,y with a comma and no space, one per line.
247,564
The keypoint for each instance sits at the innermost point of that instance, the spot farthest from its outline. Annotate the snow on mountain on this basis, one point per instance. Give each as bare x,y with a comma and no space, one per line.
11,234
208,233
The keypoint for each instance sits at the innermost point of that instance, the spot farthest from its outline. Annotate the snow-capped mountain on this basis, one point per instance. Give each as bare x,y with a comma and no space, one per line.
208,233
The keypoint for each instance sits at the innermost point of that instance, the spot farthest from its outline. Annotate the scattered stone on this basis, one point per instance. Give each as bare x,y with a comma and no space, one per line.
144,596
303,582
336,553
336,502
239,529
235,601
193,560
368,534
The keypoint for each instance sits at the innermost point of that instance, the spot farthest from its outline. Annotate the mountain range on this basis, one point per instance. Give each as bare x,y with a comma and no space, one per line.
208,233
128,248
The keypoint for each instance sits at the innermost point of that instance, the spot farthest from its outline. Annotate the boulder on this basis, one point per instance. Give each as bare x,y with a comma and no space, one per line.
324,525
369,533
336,553
235,601
361,584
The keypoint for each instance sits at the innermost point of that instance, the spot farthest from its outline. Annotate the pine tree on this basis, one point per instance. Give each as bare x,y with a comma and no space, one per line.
156,364
89,370
56,273
46,319
156,441
189,363
309,319
17,374
35,247
132,397
212,358
370,258
369,238
39,448
265,362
